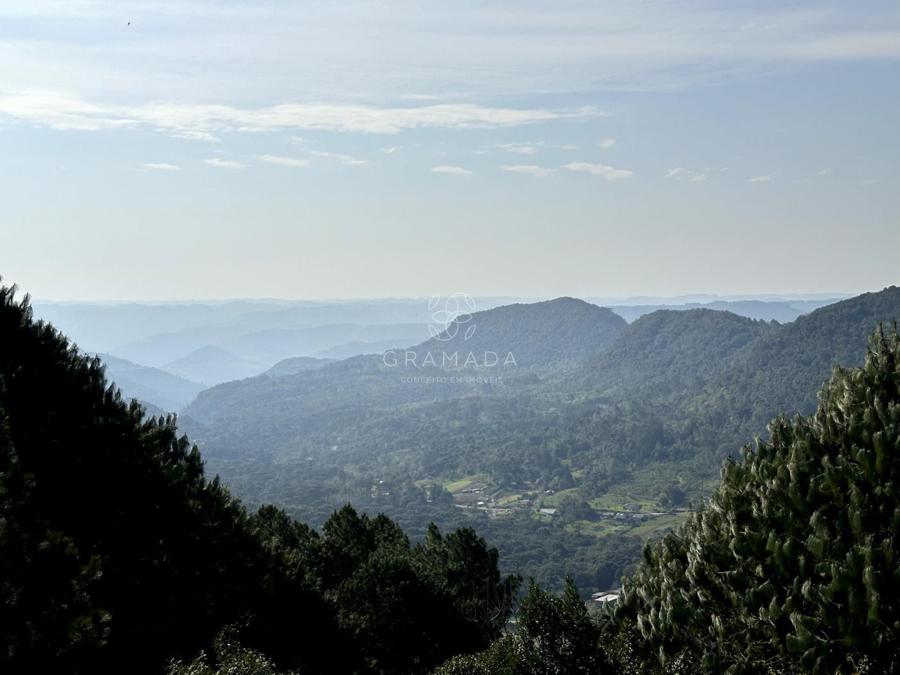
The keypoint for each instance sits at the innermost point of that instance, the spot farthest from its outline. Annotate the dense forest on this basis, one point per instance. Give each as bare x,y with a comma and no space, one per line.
790,567
119,555
792,564
617,439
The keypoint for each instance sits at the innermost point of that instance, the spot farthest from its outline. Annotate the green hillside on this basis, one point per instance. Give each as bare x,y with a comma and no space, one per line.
295,365
669,351
312,412
118,555
537,334
643,423
791,567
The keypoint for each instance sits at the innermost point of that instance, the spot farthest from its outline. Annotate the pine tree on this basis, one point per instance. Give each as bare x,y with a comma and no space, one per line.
792,565
116,553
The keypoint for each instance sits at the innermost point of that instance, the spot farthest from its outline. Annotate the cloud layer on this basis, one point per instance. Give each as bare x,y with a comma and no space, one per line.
220,163
601,170
293,162
530,169
452,170
160,166
360,50
203,122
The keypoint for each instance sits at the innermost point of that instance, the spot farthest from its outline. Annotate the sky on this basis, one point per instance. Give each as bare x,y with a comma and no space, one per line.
232,149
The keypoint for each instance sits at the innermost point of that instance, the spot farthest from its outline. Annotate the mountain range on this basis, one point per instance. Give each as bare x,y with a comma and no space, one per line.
151,385
596,417
256,334
563,349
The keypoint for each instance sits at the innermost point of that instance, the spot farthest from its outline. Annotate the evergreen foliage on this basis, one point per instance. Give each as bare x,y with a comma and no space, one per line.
792,565
554,635
118,555
227,658
649,419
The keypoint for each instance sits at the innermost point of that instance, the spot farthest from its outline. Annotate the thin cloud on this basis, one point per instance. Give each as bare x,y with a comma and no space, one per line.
607,143
530,169
338,157
680,173
68,112
160,166
540,48
293,162
760,179
220,163
519,148
452,170
194,135
825,172
602,170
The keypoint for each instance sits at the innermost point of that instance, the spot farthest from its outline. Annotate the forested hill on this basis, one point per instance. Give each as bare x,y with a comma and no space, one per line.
536,334
676,350
783,369
684,370
540,336
117,555
295,365
646,421
729,375
792,567
116,552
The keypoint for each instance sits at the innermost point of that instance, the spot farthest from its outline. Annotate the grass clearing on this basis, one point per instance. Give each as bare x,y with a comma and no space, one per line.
462,483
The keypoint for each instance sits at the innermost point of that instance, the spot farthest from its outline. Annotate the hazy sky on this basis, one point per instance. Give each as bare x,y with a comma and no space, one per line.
371,149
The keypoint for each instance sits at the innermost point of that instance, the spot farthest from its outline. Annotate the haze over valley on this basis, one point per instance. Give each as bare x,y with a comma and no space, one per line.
449,338
557,414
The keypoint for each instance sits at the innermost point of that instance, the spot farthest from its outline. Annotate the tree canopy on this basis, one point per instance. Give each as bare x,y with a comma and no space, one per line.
118,555
791,566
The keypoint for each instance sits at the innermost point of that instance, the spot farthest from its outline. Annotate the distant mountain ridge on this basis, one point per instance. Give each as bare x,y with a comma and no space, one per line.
782,311
689,378
645,421
624,417
581,351
266,346
211,365
157,333
537,334
150,385
258,334
540,335
675,349
787,366
295,365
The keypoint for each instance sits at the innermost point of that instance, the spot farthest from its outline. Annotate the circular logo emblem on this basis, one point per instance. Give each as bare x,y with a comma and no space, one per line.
450,315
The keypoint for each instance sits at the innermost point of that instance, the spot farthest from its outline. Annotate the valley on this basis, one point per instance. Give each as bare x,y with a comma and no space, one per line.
449,338
610,444
574,427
